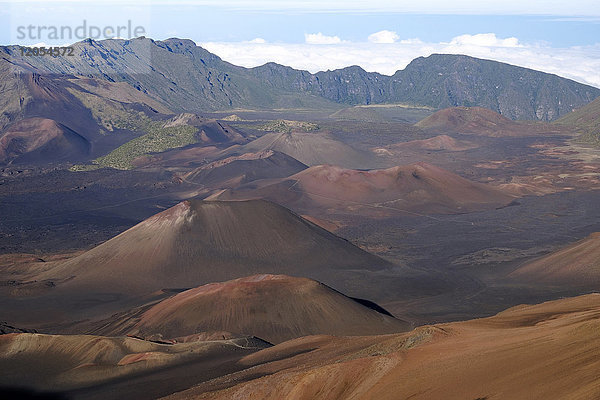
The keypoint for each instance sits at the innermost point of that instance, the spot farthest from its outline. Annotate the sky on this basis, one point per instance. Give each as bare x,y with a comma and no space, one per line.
384,36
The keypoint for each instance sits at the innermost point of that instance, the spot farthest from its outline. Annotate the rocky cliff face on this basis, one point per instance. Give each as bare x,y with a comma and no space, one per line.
517,93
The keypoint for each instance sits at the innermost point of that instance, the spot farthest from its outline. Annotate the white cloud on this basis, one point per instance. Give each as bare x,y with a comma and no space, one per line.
580,63
384,37
319,38
484,40
258,40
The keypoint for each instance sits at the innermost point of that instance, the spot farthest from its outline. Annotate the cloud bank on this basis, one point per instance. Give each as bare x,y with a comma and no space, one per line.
383,37
385,52
319,38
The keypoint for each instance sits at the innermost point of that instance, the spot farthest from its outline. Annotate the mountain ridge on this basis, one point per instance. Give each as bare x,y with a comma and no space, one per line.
187,77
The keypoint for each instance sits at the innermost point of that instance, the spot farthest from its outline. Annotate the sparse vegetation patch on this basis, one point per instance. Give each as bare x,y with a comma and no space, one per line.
287,126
